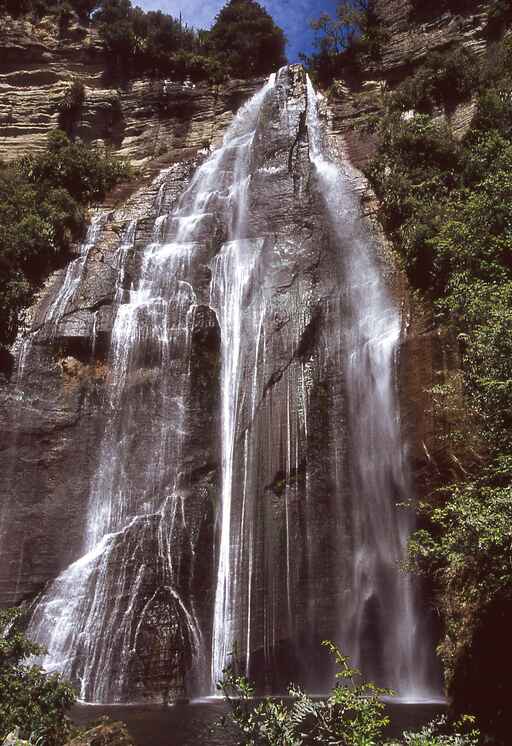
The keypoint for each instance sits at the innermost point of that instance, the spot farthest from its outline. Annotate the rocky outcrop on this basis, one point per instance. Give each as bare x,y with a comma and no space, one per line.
413,30
97,426
152,123
104,734
409,33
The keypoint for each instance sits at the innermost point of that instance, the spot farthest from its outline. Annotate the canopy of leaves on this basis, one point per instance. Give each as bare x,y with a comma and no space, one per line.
246,40
30,699
344,42
42,200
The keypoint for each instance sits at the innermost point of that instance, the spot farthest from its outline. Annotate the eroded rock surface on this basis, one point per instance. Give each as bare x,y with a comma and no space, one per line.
62,422
152,123
104,734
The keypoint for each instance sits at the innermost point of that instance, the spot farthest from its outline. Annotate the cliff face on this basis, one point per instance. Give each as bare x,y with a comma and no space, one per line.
56,411
152,123
187,427
408,36
411,31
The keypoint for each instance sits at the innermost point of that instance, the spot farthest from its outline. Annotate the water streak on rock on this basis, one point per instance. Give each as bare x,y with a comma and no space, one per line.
244,489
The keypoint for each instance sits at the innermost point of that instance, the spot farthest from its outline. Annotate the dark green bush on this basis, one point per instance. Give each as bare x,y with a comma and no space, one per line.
70,107
30,699
42,200
346,42
445,79
244,41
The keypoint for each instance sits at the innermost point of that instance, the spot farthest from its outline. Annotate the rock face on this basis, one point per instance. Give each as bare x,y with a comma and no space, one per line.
105,734
189,440
150,122
410,32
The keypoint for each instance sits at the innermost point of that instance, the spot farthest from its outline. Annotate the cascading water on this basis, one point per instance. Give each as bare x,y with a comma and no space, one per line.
384,599
271,525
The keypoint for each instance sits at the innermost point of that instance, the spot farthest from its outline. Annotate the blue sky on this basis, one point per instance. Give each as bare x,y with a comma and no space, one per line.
292,15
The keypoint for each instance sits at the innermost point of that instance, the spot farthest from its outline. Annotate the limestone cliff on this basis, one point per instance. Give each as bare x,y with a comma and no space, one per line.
150,122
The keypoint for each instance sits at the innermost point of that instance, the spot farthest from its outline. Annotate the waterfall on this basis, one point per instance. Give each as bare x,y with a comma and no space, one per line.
73,275
384,598
254,529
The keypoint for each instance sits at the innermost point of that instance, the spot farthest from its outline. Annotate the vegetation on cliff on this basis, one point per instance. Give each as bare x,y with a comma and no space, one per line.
246,41
30,699
243,42
42,211
345,42
447,204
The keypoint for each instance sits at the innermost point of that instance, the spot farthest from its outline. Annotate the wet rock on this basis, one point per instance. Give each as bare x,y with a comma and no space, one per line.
105,734
111,432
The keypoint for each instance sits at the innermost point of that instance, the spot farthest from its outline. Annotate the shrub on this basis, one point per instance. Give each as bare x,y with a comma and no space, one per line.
30,699
70,107
42,200
344,42
443,80
352,715
441,733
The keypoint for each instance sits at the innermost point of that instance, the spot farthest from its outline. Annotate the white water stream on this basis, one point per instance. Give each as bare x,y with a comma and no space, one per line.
91,617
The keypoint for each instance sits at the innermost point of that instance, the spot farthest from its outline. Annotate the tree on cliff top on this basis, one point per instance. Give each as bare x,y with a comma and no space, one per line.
246,39
353,35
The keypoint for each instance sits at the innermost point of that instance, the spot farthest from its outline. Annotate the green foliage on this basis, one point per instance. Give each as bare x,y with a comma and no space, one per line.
353,36
30,699
448,207
441,733
445,79
243,42
246,40
353,714
70,107
42,200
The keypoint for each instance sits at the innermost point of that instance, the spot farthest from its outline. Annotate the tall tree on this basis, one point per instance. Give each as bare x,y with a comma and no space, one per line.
345,40
246,39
